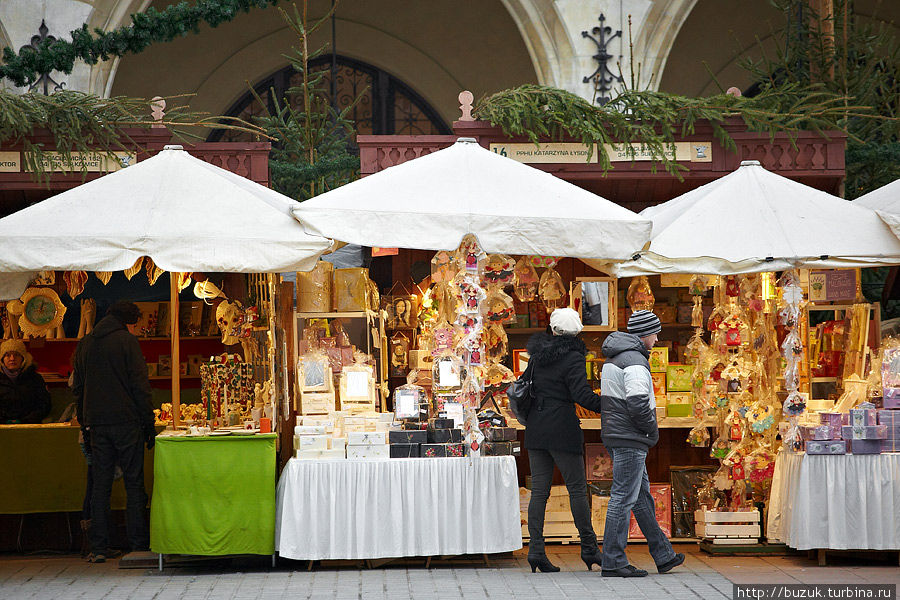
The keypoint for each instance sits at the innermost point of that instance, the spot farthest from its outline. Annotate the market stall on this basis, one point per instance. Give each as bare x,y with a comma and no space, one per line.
439,367
788,357
172,218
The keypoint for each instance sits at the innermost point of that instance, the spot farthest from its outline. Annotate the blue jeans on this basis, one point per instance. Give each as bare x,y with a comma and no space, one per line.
631,493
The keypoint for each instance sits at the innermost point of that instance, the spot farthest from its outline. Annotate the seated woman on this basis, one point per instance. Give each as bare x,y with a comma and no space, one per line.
24,397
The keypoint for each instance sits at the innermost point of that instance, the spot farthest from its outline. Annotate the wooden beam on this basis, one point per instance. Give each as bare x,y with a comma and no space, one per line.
176,347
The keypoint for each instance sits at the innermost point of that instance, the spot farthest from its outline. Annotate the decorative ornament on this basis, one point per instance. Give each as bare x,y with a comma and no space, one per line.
552,290
45,278
526,285
103,276
698,285
444,267
544,262
640,296
230,318
183,280
469,254
499,269
498,307
42,311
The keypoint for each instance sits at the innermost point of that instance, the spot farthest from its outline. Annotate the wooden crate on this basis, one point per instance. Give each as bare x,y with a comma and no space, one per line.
727,527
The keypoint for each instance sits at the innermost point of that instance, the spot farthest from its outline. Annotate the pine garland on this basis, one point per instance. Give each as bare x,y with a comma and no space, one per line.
81,122
655,119
150,27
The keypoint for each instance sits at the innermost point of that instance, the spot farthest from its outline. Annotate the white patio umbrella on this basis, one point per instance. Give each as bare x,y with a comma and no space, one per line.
184,213
431,202
753,220
886,202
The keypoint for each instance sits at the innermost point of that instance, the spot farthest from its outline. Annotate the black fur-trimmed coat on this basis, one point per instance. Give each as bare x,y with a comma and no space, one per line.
560,382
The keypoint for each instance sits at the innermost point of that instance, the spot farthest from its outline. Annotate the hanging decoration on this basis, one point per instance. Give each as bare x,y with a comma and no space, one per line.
75,281
552,290
134,269
526,280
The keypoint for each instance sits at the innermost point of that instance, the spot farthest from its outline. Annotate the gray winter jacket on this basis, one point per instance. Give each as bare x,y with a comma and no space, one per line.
628,408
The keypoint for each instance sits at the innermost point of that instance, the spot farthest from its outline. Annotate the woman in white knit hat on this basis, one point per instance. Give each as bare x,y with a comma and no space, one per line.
23,394
553,433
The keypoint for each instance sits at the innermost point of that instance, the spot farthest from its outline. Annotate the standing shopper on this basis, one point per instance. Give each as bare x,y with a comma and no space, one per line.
553,434
629,430
112,397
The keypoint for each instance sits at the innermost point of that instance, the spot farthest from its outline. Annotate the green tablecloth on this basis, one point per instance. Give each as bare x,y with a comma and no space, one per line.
214,496
42,469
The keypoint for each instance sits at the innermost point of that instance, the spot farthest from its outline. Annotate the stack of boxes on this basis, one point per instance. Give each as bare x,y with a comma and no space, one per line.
407,443
862,431
443,440
500,441
367,444
890,420
327,437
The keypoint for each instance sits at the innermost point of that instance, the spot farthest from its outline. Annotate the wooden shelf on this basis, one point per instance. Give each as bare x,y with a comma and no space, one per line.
664,423
522,330
823,379
140,339
336,315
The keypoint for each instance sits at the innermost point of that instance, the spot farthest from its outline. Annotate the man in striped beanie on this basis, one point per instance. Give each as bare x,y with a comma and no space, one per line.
629,430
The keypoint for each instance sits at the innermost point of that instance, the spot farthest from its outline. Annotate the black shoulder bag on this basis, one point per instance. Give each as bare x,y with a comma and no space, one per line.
521,394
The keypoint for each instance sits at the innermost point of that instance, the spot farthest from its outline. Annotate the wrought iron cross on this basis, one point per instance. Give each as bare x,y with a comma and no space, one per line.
602,77
34,46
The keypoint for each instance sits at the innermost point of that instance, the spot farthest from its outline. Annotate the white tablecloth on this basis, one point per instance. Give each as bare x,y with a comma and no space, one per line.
845,502
363,509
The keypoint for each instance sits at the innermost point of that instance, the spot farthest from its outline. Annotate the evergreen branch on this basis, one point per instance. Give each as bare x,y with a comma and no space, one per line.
152,26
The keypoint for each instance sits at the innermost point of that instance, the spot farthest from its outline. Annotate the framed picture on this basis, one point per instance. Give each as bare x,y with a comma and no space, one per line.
595,300
520,361
659,359
314,374
597,462
662,501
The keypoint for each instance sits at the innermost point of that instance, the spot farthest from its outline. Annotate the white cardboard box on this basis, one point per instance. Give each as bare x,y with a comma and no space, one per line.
368,451
309,430
313,442
359,438
331,454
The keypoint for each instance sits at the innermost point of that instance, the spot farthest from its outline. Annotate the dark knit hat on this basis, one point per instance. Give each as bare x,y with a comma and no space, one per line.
643,323
125,311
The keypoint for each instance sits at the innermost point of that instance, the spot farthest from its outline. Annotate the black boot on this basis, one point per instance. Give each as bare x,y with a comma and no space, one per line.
542,564
592,557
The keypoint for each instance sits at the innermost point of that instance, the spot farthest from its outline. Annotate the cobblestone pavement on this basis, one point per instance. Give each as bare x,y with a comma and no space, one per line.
63,578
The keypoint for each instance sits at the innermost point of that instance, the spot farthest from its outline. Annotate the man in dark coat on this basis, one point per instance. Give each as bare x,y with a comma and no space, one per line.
23,394
629,430
112,397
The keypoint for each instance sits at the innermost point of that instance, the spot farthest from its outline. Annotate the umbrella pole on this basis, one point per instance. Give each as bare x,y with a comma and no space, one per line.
176,345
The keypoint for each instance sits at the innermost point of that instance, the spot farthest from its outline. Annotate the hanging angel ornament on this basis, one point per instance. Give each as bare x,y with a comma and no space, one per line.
495,342
526,280
444,267
469,293
498,307
640,295
469,255
698,285
552,290
499,269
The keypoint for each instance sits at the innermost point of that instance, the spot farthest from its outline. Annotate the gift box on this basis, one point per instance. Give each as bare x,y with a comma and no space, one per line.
314,288
350,292
865,432
309,430
408,437
826,447
864,414
361,438
890,445
659,387
404,450
819,432
433,450
312,442
865,446
501,448
679,404
329,454
833,419
891,418
500,434
444,436
456,450
441,424
678,377
414,426
891,402
368,451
